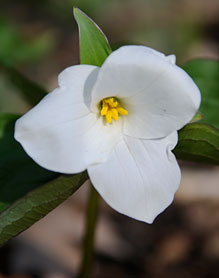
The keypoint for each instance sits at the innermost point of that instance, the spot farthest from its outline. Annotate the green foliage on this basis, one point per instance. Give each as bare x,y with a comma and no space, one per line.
18,173
94,46
89,6
205,73
198,116
14,48
27,191
28,89
36,204
198,142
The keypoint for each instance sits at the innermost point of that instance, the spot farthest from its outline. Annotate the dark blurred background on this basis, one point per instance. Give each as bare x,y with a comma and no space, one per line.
40,38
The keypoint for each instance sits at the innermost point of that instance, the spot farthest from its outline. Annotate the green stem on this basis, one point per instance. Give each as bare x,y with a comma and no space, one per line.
89,237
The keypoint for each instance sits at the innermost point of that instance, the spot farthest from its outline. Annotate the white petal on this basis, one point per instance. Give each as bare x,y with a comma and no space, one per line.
159,96
60,133
139,178
172,59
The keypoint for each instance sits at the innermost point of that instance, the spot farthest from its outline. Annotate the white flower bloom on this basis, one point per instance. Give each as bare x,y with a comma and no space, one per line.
119,122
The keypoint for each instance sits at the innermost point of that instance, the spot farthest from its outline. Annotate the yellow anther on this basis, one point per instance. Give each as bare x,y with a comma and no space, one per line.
111,109
104,109
111,102
109,116
115,114
122,111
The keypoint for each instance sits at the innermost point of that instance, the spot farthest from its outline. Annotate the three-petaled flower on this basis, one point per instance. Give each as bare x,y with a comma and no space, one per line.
119,122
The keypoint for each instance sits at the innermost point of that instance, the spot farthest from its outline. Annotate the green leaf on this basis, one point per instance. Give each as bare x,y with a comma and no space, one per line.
27,191
18,173
32,92
94,46
205,73
198,142
36,204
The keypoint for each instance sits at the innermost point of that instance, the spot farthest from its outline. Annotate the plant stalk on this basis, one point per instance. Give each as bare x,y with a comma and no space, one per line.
86,269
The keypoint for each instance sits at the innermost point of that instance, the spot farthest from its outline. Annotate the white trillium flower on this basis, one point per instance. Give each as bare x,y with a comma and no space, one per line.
119,122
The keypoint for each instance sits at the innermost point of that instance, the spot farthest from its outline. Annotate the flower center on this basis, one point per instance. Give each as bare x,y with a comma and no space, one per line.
111,109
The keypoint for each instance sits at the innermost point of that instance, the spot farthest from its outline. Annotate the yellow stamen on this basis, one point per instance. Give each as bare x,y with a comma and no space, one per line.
109,116
111,109
115,114
104,109
122,111
111,102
